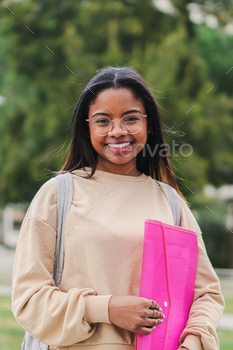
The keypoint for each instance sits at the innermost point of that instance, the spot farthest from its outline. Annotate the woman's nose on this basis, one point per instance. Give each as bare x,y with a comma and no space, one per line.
117,129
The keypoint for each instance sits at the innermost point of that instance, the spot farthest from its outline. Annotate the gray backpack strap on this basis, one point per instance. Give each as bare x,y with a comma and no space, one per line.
173,200
64,200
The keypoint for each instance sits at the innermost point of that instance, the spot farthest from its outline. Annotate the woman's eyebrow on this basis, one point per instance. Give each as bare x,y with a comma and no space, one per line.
125,113
100,113
132,111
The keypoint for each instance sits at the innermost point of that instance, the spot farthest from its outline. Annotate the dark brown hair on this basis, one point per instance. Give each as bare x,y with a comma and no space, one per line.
81,152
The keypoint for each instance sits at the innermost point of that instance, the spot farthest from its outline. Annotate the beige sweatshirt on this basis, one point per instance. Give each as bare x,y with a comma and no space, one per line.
103,252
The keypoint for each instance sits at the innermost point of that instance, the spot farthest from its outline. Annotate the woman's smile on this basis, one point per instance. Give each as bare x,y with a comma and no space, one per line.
119,147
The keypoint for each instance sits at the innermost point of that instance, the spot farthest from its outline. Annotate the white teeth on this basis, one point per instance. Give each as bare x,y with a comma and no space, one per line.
119,145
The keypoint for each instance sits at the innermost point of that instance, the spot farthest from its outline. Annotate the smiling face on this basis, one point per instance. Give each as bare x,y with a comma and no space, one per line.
118,159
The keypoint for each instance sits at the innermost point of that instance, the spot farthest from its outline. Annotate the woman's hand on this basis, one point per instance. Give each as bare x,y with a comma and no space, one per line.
138,315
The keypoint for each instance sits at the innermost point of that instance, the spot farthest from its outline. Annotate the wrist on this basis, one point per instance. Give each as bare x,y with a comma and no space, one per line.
96,308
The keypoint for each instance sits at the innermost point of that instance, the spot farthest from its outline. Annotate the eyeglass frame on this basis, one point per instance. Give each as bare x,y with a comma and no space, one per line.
105,116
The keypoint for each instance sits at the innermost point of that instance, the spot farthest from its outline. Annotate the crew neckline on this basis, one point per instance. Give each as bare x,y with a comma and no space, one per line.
118,177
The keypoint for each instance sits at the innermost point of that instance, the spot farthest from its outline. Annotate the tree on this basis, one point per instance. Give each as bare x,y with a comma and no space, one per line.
51,49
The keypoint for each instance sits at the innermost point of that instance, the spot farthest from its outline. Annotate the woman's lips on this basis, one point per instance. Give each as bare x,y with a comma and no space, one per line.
117,148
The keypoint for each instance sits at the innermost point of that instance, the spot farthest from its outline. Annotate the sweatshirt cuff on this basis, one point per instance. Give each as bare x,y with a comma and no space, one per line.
96,308
192,342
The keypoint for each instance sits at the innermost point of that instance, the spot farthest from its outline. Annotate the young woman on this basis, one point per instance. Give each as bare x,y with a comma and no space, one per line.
116,127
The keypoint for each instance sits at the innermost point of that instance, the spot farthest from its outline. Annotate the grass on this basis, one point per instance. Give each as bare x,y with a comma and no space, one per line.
225,340
11,334
229,305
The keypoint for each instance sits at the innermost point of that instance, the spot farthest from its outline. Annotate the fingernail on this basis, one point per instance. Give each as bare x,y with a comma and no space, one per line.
161,321
163,316
160,309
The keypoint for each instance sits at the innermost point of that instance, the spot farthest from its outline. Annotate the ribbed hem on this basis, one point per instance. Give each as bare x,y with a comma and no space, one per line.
98,347
96,308
192,342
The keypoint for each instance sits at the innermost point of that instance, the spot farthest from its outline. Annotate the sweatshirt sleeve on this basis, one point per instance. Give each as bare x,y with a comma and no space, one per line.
208,305
42,309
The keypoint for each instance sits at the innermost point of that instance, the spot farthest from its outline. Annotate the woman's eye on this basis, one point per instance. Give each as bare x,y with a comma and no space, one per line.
102,121
132,118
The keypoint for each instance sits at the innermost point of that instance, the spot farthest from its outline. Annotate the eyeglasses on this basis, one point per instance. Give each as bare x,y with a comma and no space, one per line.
102,125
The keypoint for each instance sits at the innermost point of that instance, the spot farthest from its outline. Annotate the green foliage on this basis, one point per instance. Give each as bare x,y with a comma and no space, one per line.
211,216
214,47
50,49
69,37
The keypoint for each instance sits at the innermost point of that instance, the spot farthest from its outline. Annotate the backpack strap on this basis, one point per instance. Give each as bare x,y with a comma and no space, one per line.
173,200
64,200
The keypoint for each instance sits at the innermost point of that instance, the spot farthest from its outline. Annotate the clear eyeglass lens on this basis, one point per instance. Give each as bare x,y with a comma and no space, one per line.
131,123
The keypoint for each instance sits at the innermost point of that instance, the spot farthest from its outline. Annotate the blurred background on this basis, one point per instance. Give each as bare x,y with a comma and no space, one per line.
49,50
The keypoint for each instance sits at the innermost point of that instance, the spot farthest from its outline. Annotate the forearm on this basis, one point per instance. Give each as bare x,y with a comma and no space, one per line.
205,313
50,315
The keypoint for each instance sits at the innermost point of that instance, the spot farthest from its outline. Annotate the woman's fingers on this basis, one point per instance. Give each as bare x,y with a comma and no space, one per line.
154,305
150,326
146,330
138,315
152,322
157,314
154,317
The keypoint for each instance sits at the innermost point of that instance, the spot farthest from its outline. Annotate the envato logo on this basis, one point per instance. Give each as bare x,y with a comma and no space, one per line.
164,150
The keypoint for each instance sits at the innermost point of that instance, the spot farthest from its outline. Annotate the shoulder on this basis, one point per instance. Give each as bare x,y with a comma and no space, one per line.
167,188
173,200
45,199
49,187
188,220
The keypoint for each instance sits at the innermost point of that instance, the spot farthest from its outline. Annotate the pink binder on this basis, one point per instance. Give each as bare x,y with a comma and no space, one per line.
168,276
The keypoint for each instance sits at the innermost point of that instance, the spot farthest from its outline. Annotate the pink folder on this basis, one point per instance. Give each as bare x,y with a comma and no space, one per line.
168,276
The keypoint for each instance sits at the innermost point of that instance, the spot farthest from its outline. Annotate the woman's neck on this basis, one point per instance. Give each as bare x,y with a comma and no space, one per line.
120,170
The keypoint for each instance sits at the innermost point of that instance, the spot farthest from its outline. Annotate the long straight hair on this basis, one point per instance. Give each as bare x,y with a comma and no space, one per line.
81,152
